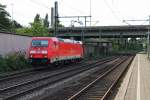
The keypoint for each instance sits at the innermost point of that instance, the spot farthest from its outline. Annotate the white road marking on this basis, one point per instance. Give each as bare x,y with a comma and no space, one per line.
138,80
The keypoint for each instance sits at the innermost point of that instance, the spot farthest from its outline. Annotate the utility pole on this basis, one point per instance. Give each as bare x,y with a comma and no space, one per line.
52,17
55,18
148,33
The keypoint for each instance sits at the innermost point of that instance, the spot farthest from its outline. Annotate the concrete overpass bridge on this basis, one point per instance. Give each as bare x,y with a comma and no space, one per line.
133,31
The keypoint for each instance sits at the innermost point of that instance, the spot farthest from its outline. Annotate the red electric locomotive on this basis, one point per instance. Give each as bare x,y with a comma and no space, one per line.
48,50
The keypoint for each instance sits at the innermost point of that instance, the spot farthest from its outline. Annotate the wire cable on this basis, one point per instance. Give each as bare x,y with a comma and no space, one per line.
144,22
112,11
71,7
40,4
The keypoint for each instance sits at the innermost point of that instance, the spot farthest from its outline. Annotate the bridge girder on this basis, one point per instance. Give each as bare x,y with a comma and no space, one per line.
103,31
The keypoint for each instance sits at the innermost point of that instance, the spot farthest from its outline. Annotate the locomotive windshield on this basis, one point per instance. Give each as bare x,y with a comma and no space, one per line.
39,42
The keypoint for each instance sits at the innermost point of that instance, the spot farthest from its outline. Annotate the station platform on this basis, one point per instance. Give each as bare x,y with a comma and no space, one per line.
136,83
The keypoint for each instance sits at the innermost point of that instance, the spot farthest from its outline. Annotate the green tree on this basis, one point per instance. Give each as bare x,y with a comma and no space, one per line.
46,22
37,18
37,28
16,24
24,31
5,23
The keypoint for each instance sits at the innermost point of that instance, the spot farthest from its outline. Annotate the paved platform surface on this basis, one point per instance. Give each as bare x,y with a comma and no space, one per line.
136,84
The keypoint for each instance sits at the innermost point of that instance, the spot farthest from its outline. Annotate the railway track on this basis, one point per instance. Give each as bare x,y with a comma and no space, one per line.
21,76
13,75
100,88
13,91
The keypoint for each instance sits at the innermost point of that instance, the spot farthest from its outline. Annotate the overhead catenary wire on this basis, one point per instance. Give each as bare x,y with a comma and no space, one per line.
40,4
30,4
144,23
126,22
71,7
64,17
117,11
112,11
138,20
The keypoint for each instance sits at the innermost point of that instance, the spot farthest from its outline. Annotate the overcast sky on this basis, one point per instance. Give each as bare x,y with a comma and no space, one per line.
104,12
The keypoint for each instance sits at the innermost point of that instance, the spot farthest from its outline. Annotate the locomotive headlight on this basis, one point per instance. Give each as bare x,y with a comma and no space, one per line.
44,51
32,51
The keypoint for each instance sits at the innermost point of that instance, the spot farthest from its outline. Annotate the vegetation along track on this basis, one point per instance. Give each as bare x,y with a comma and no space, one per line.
13,91
31,71
20,75
100,88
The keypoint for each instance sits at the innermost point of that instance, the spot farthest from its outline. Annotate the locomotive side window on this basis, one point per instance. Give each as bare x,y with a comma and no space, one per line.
39,42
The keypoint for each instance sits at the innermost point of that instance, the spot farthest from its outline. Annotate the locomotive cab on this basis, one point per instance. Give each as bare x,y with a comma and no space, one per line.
38,52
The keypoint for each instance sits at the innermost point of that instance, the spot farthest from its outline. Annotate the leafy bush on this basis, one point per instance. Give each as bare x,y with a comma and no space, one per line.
3,64
12,62
24,31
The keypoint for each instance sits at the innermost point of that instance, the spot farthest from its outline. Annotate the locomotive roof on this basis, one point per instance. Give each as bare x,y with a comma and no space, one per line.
57,39
43,38
69,41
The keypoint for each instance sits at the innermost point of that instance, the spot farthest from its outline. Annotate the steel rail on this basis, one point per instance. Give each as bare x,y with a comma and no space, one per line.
75,96
115,82
13,75
35,81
